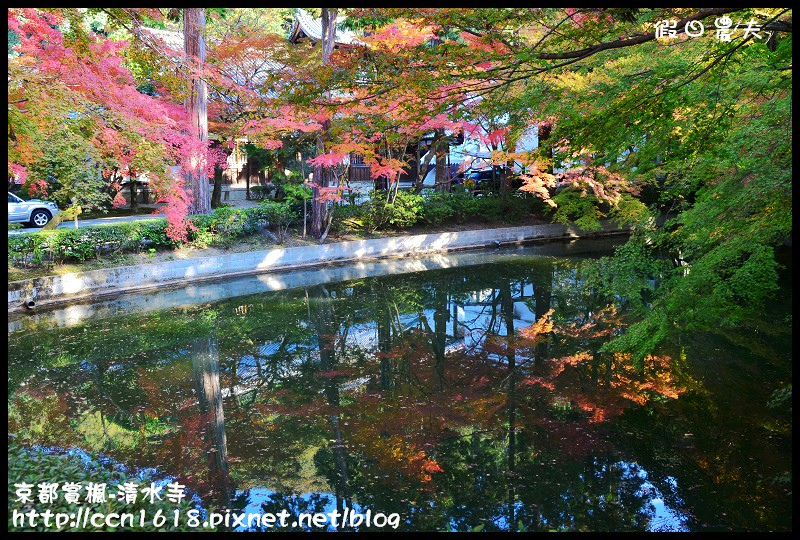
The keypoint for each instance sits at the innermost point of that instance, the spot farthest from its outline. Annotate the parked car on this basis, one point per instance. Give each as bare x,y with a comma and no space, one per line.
35,212
484,175
486,181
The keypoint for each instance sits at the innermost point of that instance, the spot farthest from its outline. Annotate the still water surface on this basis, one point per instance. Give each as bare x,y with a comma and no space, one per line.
460,398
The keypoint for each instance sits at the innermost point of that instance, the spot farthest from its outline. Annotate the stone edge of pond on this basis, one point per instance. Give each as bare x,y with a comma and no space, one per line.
34,293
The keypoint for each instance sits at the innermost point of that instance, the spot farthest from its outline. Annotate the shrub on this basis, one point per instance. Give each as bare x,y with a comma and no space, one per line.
227,224
511,210
442,207
261,192
220,228
151,233
466,207
402,213
461,206
61,245
25,249
347,217
279,216
437,208
76,244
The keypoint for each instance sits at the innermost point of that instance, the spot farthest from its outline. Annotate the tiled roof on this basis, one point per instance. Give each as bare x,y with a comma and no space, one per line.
171,38
306,25
253,67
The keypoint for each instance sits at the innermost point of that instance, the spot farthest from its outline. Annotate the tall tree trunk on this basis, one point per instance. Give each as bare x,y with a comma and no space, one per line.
507,306
216,195
133,194
543,137
194,23
496,180
511,473
442,172
324,320
319,209
440,315
505,179
512,137
383,322
415,169
247,180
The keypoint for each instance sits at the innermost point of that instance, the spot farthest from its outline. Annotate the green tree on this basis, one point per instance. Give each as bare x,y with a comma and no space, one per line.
72,168
699,125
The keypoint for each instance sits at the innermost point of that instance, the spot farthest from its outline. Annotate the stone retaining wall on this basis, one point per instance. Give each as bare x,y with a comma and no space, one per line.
65,288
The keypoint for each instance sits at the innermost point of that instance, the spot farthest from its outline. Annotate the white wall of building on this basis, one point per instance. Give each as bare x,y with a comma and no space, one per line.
473,149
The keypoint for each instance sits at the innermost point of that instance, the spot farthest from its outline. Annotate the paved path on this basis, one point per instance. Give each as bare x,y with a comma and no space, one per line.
86,222
100,221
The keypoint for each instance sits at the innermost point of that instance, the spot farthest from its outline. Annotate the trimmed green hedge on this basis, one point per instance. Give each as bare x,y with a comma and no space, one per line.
434,208
459,207
61,245
219,228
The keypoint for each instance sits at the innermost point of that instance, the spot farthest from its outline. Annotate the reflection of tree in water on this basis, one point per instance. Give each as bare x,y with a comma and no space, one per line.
139,420
325,324
399,430
386,446
366,394
205,365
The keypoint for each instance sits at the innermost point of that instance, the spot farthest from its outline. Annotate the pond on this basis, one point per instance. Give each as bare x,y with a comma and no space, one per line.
467,396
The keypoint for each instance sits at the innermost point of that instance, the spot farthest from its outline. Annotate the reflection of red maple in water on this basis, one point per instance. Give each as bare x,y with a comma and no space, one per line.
591,389
396,457
601,386
396,430
186,453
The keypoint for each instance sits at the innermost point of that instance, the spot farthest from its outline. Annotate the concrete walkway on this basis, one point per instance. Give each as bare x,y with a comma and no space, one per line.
87,222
